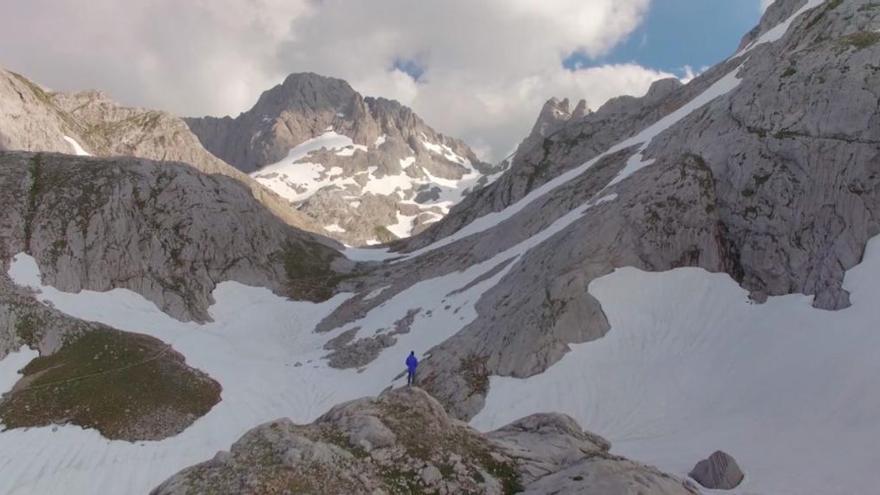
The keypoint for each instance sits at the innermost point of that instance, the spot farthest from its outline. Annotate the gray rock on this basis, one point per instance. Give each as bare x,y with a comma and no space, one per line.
719,472
163,230
35,119
378,445
775,183
391,142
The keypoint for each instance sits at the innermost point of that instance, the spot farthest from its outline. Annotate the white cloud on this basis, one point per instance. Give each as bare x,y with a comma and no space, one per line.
489,65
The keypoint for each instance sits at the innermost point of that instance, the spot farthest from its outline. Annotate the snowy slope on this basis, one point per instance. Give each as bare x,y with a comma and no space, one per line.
77,149
723,86
301,174
262,350
691,366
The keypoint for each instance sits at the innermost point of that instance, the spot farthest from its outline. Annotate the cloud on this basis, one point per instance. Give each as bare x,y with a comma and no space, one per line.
483,68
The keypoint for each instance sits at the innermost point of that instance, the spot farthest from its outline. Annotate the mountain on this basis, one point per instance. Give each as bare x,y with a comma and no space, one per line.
368,170
684,273
89,122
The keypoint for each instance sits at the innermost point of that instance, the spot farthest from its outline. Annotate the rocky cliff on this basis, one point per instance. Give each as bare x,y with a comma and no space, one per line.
161,229
368,170
89,122
766,167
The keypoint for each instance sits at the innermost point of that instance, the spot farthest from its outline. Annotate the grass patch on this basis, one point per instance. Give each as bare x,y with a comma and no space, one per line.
309,274
861,40
473,369
35,170
383,235
125,385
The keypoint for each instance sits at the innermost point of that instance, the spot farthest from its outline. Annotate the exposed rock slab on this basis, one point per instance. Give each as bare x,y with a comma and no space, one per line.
719,472
403,441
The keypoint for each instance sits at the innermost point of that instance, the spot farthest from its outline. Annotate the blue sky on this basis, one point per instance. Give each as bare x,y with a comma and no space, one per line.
697,33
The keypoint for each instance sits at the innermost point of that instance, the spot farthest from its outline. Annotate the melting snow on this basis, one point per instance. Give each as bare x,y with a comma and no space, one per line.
404,225
333,227
778,31
690,366
10,366
77,149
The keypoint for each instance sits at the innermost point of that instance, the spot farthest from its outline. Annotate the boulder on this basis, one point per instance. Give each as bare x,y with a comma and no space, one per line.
719,472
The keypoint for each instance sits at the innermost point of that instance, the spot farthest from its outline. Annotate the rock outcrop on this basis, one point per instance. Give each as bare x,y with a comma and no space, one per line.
719,472
34,119
368,170
404,442
161,229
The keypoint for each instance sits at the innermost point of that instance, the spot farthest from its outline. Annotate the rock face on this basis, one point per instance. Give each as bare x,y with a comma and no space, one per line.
719,472
766,167
33,119
161,229
368,170
404,442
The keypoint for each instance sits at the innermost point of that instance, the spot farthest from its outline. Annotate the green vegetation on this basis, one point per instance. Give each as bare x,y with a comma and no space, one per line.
27,327
33,193
474,371
309,274
36,90
424,444
861,40
384,235
789,72
829,6
125,385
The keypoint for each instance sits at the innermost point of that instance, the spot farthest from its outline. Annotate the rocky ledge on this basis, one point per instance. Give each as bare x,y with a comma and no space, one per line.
404,442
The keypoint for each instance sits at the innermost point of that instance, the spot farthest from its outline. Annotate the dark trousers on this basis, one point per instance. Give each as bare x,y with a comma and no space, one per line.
410,377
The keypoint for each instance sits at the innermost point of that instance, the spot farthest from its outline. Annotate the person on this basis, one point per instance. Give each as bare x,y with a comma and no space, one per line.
411,364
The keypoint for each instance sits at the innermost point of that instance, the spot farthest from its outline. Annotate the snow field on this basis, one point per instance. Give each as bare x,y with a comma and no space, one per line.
691,366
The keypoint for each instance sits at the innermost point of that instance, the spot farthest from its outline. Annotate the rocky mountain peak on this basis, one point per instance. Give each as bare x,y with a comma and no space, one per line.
368,169
306,92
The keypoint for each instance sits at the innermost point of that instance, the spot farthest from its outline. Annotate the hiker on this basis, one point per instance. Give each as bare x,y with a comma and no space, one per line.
411,364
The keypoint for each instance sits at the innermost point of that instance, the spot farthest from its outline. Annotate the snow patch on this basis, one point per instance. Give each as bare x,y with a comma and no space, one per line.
403,227
77,149
691,366
11,365
375,293
778,31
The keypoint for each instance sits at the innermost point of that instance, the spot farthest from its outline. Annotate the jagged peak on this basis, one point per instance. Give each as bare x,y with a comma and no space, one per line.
662,88
581,110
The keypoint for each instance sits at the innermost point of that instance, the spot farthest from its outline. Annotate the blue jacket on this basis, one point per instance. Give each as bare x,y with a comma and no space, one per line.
412,362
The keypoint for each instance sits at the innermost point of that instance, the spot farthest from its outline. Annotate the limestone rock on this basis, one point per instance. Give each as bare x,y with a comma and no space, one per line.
154,228
776,183
371,171
403,440
35,119
719,472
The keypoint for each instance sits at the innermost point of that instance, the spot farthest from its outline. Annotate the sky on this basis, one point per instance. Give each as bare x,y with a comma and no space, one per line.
476,70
